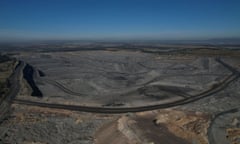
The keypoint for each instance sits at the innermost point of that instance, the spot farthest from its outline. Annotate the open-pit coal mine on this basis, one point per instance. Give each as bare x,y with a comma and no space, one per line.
134,95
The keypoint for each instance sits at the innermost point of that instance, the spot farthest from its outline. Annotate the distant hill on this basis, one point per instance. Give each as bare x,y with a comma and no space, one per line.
225,41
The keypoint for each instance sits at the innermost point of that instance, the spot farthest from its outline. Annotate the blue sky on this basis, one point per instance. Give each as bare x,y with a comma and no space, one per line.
119,19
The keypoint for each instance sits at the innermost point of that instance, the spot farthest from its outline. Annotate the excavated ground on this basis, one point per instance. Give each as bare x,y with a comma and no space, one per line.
122,79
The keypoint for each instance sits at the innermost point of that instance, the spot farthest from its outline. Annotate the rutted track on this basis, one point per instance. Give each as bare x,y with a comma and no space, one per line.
60,86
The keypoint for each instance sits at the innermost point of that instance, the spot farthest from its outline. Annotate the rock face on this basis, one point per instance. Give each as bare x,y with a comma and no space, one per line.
192,126
28,74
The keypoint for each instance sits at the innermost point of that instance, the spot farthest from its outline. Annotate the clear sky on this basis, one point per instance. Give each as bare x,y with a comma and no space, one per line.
119,19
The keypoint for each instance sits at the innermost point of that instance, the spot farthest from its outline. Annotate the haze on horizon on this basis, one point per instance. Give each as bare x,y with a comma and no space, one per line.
120,19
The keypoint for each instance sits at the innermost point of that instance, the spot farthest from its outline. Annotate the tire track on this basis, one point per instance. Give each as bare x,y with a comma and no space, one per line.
66,90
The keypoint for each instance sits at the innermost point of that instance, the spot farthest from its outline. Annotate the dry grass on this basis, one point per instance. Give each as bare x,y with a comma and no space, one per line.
6,69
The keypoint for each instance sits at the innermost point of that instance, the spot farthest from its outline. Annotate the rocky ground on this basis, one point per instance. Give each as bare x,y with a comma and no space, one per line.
49,126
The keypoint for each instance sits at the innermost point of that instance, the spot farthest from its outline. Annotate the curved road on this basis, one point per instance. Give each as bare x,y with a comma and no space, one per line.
216,131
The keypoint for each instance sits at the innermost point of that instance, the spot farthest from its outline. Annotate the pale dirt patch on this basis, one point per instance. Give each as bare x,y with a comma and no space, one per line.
191,126
109,133
233,134
159,126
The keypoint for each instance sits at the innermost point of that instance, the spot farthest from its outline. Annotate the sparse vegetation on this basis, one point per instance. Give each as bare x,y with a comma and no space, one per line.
4,58
6,69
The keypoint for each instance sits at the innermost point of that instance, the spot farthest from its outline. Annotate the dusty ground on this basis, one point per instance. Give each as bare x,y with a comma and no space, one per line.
42,125
162,126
